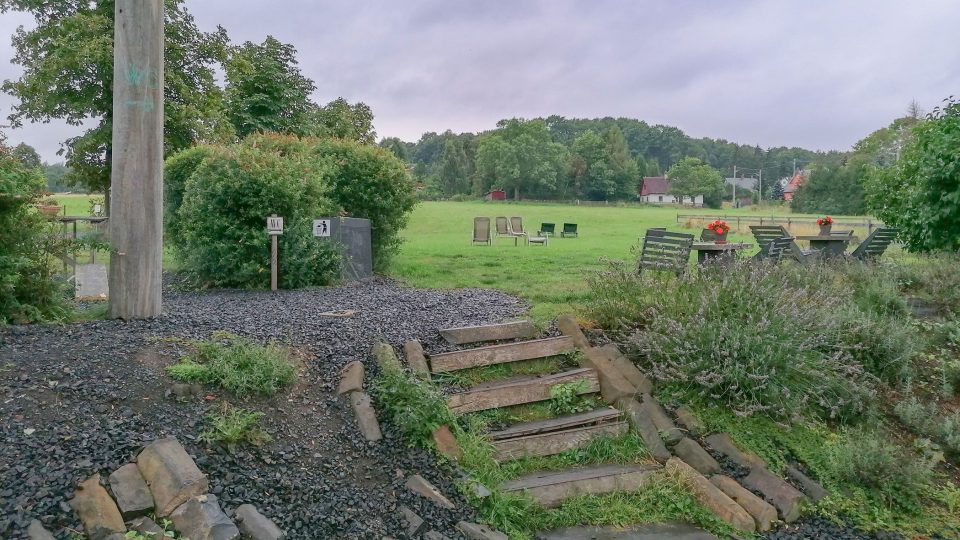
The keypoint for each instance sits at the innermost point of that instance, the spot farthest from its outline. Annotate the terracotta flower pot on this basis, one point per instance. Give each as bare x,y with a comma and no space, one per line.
50,209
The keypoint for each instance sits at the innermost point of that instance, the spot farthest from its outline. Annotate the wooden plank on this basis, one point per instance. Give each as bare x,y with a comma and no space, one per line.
500,354
136,196
492,332
550,489
520,390
556,424
548,444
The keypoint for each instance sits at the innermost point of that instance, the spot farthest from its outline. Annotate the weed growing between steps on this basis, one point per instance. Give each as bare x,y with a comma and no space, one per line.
417,407
238,365
538,366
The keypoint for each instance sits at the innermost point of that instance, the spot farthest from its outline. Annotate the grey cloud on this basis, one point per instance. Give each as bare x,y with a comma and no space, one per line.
814,74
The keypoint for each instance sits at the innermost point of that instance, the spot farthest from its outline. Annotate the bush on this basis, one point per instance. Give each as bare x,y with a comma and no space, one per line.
29,289
222,221
925,420
786,340
238,365
176,171
868,459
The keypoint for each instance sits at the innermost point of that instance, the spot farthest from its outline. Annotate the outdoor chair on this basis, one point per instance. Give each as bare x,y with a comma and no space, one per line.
875,243
547,229
481,231
842,233
569,230
765,234
666,251
504,229
516,226
779,247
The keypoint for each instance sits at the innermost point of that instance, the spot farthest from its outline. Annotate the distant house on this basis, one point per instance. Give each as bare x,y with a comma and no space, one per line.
794,183
656,190
742,183
496,195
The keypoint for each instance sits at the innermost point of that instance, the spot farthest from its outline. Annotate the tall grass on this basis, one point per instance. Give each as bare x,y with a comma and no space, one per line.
787,340
238,365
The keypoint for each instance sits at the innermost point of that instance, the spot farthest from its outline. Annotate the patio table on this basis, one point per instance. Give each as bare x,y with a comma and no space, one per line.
710,250
828,246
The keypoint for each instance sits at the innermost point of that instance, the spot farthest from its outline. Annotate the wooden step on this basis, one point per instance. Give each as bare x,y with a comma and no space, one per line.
500,354
554,442
596,416
490,332
550,489
519,390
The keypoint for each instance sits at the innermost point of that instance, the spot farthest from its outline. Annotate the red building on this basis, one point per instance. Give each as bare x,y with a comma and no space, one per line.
496,195
795,182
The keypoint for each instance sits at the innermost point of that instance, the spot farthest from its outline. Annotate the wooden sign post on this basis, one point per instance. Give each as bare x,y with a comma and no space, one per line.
274,229
136,183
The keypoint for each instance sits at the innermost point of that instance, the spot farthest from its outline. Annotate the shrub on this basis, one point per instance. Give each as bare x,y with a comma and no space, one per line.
233,426
370,182
414,406
897,477
176,171
222,231
925,420
237,365
29,289
760,338
934,279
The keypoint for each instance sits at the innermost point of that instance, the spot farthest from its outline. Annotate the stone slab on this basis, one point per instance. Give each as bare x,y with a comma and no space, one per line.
763,513
201,518
668,430
643,425
628,369
412,520
654,531
416,359
787,499
447,443
476,531
255,526
97,511
365,415
569,326
689,421
694,455
724,445
809,486
613,385
489,332
131,492
145,526
351,378
422,487
36,531
171,475
385,356
713,498
92,282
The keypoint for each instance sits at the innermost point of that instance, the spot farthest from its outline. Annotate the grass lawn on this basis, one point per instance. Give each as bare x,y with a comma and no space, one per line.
437,250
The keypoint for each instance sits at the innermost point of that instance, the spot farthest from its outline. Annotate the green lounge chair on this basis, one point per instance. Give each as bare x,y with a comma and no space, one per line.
665,251
547,229
875,244
765,234
569,230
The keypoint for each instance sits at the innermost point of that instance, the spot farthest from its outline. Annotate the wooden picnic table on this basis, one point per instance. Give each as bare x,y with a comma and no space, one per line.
711,250
828,246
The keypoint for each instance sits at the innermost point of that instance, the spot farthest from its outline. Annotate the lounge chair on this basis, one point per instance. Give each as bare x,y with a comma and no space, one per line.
666,251
546,229
516,225
481,231
765,234
569,230
875,244
779,247
504,229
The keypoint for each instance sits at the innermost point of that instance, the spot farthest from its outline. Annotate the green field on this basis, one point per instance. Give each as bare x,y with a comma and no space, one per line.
437,251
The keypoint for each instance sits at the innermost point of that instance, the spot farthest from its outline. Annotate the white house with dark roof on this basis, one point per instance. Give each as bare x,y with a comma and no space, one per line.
656,190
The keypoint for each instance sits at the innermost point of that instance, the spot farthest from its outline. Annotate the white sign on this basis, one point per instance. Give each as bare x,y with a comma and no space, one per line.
321,228
275,225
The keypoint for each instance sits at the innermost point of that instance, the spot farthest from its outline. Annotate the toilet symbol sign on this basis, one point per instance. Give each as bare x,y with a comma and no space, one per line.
321,227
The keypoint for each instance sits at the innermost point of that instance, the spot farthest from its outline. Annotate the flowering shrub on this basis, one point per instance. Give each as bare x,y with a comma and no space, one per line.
825,220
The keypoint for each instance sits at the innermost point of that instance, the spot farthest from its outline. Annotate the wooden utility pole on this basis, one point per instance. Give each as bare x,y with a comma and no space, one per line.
136,205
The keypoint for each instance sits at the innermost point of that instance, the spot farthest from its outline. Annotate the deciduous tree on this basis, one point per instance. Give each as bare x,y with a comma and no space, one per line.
691,177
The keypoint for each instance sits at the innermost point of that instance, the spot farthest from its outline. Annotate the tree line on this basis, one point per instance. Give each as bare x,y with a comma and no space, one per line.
67,61
574,158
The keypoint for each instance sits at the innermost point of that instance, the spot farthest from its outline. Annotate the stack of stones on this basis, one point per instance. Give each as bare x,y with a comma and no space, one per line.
165,483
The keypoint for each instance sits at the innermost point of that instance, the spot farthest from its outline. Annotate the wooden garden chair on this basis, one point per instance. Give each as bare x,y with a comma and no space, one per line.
765,234
875,244
665,251
481,231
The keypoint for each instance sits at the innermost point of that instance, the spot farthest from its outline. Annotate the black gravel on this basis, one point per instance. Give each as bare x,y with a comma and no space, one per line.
84,398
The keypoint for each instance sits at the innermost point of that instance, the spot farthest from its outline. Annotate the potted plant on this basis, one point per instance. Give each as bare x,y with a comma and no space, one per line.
720,229
825,223
49,207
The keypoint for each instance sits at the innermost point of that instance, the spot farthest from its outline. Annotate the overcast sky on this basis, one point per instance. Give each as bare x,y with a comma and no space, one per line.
820,75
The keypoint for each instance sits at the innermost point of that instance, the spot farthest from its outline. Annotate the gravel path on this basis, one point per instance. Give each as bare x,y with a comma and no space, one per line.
80,399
